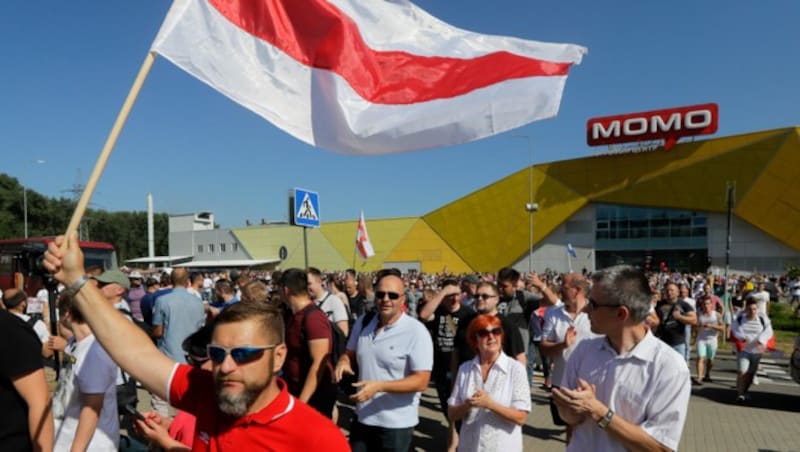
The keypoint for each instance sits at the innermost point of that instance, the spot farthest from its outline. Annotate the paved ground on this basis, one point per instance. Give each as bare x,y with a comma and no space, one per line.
769,422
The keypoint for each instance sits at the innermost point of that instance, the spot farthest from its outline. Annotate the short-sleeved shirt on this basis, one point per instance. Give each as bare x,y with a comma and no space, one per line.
181,314
444,327
285,424
671,330
512,339
648,386
298,357
507,385
20,354
392,354
556,323
333,307
38,327
88,370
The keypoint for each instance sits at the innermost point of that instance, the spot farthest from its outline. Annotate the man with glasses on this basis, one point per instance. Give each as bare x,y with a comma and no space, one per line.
251,410
395,357
626,390
564,327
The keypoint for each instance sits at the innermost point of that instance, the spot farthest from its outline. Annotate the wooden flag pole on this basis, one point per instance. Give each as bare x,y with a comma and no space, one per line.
111,141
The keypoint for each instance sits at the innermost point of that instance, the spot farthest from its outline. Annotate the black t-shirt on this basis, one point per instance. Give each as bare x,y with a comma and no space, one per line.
512,339
20,354
443,328
358,306
672,331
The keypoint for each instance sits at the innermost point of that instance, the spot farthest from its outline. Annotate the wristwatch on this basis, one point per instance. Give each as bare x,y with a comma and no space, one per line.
605,420
76,286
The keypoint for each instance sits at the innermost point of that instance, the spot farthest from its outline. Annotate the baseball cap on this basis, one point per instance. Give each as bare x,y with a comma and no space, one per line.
114,276
472,279
135,275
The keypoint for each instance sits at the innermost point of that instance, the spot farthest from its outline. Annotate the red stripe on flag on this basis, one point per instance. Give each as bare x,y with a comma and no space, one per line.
319,35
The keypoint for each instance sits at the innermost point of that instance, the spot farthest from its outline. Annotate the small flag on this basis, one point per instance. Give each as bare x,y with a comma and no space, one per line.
363,245
365,77
571,250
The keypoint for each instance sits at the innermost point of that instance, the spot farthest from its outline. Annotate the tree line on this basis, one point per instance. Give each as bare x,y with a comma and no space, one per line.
127,231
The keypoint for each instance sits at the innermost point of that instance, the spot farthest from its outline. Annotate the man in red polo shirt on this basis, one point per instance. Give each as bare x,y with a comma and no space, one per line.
251,408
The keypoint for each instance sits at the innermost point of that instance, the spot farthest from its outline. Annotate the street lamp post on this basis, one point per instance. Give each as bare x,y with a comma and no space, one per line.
530,206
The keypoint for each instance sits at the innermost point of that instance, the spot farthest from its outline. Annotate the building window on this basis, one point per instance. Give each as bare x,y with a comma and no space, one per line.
221,247
234,247
200,249
210,247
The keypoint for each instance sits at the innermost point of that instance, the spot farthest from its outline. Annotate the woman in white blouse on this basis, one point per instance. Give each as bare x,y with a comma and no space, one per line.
491,395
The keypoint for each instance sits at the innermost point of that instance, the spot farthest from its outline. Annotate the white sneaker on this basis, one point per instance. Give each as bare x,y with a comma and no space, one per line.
755,380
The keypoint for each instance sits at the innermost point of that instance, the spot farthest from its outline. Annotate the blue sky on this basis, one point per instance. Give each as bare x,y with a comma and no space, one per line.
67,67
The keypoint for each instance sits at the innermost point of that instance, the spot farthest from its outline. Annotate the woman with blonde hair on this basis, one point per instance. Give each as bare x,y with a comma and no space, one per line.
491,395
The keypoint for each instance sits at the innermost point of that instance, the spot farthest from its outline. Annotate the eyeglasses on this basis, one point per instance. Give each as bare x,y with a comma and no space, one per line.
240,355
595,305
379,295
484,296
196,362
483,334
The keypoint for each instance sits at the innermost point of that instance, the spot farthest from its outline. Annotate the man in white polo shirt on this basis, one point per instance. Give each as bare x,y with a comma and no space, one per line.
564,327
626,390
395,359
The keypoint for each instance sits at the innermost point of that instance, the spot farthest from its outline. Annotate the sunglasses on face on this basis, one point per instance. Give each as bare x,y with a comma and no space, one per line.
484,296
496,332
379,295
240,355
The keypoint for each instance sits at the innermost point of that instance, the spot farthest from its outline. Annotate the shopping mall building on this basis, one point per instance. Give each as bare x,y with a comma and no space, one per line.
640,207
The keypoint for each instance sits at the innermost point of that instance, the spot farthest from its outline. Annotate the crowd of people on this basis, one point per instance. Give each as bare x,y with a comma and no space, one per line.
258,360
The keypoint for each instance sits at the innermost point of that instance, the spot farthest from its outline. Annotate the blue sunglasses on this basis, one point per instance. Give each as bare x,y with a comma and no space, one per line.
240,355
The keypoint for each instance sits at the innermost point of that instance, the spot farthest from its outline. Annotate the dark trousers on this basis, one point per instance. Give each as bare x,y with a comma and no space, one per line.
366,438
443,387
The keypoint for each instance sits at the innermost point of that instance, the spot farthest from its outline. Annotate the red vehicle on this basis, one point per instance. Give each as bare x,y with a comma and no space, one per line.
20,261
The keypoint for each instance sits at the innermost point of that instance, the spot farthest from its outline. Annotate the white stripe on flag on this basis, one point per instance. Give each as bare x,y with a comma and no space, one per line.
321,108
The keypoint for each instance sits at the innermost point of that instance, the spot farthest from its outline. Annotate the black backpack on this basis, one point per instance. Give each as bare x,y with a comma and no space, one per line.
338,339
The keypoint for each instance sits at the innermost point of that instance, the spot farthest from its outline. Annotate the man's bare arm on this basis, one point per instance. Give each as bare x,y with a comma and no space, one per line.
126,343
32,387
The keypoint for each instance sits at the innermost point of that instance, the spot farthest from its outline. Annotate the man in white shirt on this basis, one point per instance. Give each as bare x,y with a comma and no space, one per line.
564,327
626,390
85,400
762,298
754,329
330,304
16,302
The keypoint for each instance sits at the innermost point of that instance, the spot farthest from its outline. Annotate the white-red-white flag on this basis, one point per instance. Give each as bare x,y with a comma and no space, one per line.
363,245
365,76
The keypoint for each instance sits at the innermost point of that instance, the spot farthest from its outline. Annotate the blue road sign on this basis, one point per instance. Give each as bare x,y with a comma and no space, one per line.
306,208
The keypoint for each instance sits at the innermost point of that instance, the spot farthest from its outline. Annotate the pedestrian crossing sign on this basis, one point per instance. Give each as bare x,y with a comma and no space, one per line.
306,208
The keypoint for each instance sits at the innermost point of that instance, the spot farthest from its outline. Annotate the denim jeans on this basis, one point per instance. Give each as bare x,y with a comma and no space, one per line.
682,349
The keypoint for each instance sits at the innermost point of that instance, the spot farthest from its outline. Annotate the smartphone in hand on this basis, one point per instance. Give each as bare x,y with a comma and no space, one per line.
130,409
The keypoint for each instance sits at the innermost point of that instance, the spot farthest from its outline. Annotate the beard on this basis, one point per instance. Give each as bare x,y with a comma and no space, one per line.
238,404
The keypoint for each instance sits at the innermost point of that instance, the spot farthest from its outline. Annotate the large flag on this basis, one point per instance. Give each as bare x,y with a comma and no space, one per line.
363,245
365,76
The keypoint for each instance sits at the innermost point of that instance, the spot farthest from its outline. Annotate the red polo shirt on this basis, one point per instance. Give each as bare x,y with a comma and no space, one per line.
286,424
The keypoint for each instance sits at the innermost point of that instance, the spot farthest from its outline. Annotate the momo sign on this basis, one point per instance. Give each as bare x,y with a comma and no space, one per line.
669,125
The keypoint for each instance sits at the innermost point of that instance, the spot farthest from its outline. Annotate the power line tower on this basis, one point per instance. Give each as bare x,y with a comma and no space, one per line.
76,190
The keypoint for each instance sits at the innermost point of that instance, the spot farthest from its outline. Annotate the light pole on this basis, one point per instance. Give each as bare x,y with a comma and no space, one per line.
530,206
